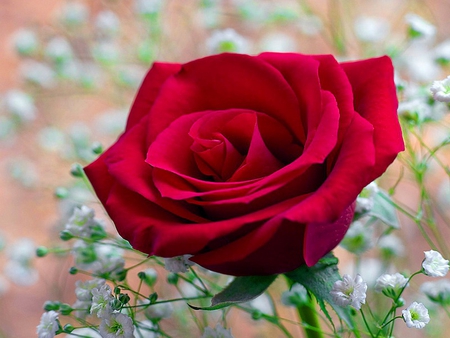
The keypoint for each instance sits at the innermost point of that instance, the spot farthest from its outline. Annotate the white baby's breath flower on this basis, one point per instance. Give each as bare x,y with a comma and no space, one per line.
83,289
358,238
390,285
434,264
38,73
390,246
349,291
416,316
420,62
416,109
49,325
365,200
101,298
158,311
227,40
25,42
437,291
59,50
418,27
20,105
278,42
21,274
117,325
80,220
107,23
82,223
106,52
262,304
296,296
22,251
109,260
217,332
441,90
371,29
146,329
442,52
74,13
178,264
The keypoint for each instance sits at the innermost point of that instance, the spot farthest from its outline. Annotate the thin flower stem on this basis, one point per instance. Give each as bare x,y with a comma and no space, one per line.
205,288
366,323
390,321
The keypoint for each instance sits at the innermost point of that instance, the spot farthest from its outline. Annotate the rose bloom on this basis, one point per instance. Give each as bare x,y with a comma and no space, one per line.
251,164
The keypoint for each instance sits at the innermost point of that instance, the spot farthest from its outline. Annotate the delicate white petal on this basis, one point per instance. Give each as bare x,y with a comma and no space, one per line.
438,291
416,316
117,325
441,90
101,298
349,292
48,325
434,264
394,282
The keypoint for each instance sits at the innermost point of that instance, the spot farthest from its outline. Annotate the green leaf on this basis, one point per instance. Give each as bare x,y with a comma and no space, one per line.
384,210
319,280
240,290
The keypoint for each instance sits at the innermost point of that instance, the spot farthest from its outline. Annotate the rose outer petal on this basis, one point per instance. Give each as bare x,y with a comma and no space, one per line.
338,192
375,99
149,90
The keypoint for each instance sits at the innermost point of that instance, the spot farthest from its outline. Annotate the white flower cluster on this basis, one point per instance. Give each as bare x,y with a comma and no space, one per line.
98,295
390,285
98,258
349,291
434,265
359,237
82,223
365,200
419,27
438,291
19,268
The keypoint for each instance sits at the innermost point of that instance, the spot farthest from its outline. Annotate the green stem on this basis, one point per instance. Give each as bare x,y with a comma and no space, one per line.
308,316
365,322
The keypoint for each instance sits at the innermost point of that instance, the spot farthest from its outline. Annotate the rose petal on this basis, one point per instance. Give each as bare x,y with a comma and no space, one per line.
375,100
197,90
339,191
149,90
124,163
263,251
155,231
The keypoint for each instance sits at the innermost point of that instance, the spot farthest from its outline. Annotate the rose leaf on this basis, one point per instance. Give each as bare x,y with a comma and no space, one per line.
384,210
319,280
240,290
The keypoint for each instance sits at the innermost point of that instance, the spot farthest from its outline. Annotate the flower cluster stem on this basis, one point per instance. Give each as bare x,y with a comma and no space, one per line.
308,316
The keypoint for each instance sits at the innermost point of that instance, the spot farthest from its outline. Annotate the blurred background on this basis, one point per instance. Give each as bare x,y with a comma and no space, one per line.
70,69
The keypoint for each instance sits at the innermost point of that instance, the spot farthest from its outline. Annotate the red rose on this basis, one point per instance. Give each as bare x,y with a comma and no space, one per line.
250,164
